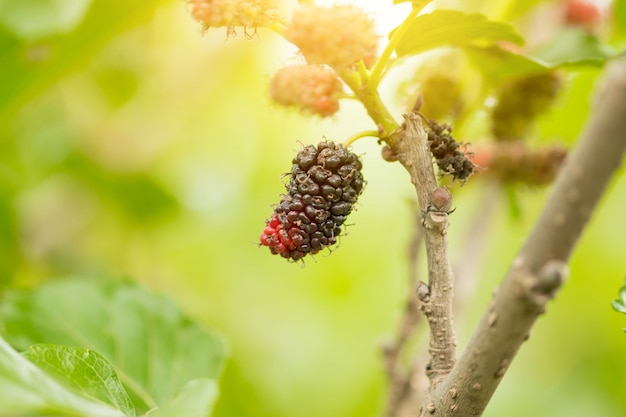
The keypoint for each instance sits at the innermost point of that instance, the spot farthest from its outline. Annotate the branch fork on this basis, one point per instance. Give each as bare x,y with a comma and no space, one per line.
465,386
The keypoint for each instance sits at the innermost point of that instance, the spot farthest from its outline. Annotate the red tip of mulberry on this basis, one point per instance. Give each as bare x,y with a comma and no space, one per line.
276,237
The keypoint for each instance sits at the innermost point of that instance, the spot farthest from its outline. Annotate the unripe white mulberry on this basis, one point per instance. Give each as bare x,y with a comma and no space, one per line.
249,14
309,87
337,36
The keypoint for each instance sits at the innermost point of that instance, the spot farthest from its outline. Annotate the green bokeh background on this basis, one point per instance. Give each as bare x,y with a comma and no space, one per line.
131,145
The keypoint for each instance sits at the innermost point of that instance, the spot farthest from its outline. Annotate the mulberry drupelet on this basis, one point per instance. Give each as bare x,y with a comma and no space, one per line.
325,183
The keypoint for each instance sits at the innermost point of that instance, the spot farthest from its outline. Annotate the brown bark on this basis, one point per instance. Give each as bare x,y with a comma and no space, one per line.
540,267
413,152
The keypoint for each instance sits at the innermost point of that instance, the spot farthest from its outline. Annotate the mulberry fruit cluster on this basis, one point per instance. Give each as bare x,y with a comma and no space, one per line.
521,101
325,182
234,13
450,159
441,95
337,36
312,88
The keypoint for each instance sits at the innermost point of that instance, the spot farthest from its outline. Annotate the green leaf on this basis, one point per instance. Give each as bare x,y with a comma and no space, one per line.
26,389
85,371
36,19
155,349
453,28
571,48
499,65
574,47
196,399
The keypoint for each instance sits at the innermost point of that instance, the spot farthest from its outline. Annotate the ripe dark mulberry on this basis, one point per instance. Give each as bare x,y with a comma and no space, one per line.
324,185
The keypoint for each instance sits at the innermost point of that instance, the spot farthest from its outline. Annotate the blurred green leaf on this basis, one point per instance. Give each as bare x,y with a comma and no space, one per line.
26,389
9,237
140,196
85,371
117,84
453,28
155,349
34,66
620,303
417,4
499,65
619,21
574,46
517,8
571,48
196,399
36,19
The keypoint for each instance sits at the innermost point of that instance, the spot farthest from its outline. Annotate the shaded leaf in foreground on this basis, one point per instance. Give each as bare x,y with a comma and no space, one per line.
85,371
155,349
26,389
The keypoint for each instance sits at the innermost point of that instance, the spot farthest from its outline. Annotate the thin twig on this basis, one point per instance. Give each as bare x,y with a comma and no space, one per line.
540,267
469,264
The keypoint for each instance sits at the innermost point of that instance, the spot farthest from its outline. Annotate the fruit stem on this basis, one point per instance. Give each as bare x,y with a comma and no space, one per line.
363,73
381,64
357,136
375,107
